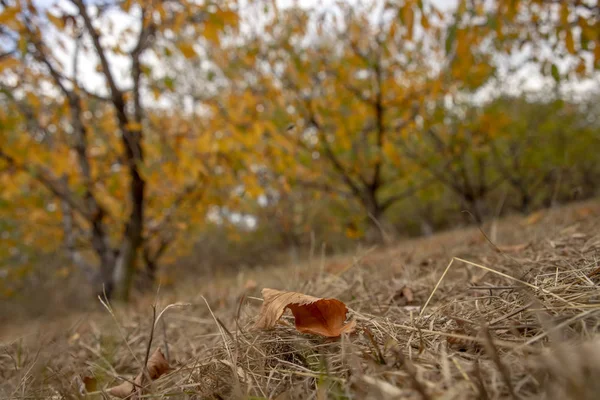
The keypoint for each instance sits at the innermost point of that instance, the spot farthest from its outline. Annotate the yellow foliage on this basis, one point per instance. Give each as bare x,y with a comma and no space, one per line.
569,42
9,17
227,17
211,32
8,62
352,101
57,21
187,49
133,126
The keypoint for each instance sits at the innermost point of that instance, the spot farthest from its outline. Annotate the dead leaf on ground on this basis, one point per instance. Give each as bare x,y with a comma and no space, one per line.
90,383
515,248
315,315
157,366
404,296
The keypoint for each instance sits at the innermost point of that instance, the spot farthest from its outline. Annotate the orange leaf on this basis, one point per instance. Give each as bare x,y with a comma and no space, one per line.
569,42
211,33
8,62
157,366
323,317
187,49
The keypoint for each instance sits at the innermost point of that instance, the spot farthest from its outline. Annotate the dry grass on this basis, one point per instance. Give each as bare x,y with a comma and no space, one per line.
522,323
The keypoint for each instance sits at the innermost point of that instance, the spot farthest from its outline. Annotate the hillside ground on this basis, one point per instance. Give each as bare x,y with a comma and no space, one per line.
508,311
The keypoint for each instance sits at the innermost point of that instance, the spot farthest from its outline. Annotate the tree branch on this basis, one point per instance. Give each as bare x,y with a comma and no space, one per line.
380,128
117,96
387,203
323,187
146,32
337,165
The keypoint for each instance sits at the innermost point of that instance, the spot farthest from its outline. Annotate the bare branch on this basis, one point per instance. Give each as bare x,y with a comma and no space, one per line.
146,32
387,203
337,165
323,187
380,127
7,54
116,93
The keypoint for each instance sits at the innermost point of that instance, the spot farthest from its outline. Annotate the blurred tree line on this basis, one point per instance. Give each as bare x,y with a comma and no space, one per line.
137,135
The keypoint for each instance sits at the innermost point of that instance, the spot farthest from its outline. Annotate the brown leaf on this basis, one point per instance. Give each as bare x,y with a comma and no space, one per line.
90,383
404,296
157,366
323,317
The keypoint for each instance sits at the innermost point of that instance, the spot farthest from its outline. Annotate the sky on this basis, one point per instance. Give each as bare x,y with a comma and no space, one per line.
527,79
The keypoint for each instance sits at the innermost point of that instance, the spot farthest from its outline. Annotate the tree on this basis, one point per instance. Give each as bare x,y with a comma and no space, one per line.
330,104
454,148
129,130
72,151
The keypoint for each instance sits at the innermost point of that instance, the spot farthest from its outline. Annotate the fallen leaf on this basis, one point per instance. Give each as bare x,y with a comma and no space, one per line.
315,315
157,366
404,296
90,383
516,248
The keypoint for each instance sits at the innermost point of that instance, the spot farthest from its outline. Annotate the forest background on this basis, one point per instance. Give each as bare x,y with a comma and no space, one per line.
143,142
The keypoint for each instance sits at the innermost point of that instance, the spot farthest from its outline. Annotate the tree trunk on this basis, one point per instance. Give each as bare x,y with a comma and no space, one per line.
122,276
105,277
125,264
426,228
525,202
474,205
151,269
375,232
